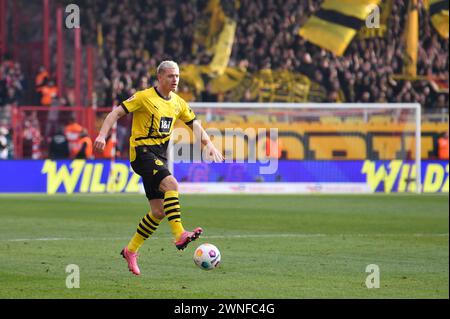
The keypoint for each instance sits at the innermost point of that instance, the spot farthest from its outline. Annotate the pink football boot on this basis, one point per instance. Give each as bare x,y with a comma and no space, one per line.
188,236
131,260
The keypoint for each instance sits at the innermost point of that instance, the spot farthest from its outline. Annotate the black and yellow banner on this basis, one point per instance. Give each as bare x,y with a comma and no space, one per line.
334,26
214,34
439,16
223,48
263,86
208,26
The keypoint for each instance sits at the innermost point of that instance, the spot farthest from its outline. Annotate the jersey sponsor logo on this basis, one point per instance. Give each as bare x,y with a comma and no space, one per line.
165,124
159,163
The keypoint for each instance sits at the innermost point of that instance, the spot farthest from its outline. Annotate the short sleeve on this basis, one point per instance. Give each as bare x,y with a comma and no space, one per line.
186,113
133,103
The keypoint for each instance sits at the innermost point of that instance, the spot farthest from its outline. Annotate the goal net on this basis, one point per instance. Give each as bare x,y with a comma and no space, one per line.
303,148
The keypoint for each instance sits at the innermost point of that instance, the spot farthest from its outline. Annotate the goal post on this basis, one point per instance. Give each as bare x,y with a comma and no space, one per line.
381,139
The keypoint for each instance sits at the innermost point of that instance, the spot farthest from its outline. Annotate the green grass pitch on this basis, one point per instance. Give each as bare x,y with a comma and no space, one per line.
272,247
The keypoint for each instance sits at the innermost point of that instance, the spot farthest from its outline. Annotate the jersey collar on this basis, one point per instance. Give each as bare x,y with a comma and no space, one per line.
159,94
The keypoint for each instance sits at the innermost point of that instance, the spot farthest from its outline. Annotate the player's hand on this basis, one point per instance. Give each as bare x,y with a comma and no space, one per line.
213,154
99,144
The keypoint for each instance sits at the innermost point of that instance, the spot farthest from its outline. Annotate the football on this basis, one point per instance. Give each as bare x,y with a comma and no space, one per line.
207,256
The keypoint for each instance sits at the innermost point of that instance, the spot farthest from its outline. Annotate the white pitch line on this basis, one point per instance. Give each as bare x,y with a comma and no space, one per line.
232,237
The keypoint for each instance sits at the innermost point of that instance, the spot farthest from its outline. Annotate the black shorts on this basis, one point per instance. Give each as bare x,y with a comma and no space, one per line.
152,169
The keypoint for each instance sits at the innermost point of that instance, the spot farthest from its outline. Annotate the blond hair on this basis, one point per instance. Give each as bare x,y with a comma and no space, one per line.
166,65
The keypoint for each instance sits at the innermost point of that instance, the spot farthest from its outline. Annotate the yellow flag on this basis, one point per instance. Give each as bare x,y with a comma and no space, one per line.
222,50
439,16
100,38
412,39
336,23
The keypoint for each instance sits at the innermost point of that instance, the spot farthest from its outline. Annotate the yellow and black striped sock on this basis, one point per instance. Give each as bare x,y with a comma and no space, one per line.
147,226
173,214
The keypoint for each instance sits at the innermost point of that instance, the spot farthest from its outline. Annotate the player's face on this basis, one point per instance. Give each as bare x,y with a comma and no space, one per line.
169,79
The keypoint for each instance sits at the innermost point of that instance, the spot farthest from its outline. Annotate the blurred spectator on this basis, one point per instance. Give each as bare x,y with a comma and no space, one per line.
208,95
32,139
84,147
186,94
59,146
248,96
4,151
72,131
53,116
108,150
40,80
11,82
49,92
443,147
442,102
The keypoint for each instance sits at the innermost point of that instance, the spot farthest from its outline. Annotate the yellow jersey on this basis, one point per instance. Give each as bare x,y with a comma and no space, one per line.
154,118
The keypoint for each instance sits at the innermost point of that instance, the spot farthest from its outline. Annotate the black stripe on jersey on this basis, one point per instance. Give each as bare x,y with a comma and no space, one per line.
124,108
170,198
150,131
147,137
190,122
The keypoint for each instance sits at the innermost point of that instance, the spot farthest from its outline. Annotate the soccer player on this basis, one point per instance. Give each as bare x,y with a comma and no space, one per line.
154,112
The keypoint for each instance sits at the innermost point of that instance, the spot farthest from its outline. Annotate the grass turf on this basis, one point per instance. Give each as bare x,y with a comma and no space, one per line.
272,247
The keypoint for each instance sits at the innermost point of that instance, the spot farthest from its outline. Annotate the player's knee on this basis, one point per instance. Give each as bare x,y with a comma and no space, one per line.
169,184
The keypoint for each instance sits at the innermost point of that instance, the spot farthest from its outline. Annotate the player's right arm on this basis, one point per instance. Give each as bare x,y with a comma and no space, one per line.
109,121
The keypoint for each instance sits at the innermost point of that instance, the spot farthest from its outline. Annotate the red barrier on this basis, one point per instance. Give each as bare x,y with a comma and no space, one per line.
60,51
45,36
77,66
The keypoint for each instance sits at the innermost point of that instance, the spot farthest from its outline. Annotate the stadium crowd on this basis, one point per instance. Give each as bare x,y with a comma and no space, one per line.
363,73
136,35
267,38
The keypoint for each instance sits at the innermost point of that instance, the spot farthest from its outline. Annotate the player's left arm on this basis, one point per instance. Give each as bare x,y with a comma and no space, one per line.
188,117
208,147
